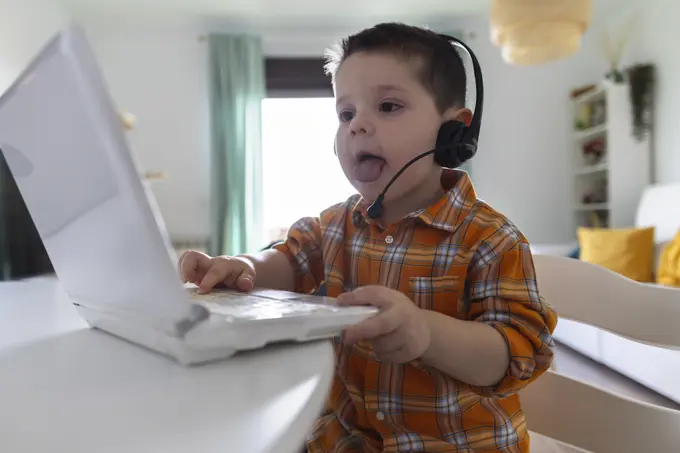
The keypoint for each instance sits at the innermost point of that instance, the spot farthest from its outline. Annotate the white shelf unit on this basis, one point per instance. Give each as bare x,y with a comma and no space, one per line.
608,187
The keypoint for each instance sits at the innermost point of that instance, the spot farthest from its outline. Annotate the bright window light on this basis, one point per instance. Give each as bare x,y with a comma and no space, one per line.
301,174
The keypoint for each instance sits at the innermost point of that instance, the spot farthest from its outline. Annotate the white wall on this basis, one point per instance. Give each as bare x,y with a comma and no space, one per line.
527,114
523,164
25,25
158,72
655,39
159,75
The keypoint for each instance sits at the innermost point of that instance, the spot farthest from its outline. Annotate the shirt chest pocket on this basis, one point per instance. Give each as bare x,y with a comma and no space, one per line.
443,294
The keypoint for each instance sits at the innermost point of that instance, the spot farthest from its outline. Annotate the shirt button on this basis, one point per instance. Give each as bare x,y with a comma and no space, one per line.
380,416
389,239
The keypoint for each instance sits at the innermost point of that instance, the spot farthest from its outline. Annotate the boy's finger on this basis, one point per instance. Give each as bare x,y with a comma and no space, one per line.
245,282
197,276
396,356
388,344
349,299
187,269
190,265
375,295
180,265
212,278
376,326
229,277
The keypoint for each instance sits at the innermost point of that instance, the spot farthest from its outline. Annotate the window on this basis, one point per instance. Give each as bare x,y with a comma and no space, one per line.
297,77
301,174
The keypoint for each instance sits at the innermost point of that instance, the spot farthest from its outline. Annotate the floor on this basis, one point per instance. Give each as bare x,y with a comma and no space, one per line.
571,363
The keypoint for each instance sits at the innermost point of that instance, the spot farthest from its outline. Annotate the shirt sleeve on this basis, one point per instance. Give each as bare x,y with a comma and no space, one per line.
503,293
304,250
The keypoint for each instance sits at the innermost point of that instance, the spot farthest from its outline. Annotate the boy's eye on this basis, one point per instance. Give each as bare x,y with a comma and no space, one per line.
345,116
389,107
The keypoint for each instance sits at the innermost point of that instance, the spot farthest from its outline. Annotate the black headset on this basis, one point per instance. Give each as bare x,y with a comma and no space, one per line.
456,141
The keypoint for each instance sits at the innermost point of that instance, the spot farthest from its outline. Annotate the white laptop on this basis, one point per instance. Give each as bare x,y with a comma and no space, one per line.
65,145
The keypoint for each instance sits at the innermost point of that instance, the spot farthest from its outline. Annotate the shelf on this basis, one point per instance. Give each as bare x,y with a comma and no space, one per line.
592,132
609,169
593,95
592,207
591,169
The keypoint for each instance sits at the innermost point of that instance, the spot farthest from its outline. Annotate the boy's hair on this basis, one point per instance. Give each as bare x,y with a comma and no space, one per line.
440,68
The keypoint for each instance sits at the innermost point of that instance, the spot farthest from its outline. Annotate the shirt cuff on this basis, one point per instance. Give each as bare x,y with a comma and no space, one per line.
304,281
523,368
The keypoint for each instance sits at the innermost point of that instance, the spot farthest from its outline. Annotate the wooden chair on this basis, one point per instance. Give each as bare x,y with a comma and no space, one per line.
581,415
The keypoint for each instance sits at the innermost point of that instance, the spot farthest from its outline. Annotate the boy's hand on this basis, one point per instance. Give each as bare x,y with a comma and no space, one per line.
399,333
206,272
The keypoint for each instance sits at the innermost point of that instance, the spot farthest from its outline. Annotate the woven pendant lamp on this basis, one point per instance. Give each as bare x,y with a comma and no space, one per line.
128,120
531,32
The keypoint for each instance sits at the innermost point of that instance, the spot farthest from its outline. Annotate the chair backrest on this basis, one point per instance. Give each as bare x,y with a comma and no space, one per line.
583,415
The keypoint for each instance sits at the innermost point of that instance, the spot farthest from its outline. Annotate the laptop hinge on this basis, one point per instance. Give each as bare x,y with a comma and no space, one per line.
197,315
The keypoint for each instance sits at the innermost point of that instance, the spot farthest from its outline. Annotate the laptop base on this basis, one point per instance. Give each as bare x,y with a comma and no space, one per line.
216,338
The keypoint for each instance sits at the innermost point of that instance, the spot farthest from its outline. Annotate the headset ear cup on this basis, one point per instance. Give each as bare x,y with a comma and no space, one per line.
460,144
467,150
449,144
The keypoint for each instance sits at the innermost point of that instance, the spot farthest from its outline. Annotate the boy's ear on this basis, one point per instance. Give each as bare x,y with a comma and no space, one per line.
463,115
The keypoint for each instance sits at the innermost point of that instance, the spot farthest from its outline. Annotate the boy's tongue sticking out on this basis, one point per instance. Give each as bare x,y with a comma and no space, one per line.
368,167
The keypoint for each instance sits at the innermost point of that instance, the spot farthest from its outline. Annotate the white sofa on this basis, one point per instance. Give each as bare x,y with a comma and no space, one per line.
655,368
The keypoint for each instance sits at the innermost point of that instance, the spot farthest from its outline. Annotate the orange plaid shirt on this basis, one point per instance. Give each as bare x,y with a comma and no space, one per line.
458,257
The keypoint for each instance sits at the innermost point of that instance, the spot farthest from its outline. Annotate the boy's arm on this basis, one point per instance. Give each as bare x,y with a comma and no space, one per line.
508,341
471,352
273,270
297,263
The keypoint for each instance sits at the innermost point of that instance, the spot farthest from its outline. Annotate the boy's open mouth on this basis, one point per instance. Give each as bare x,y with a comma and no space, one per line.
368,167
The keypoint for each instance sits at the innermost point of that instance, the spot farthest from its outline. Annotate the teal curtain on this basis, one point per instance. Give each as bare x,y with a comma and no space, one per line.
237,88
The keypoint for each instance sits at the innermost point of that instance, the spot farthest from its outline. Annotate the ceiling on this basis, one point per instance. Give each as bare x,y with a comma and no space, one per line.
288,8
295,11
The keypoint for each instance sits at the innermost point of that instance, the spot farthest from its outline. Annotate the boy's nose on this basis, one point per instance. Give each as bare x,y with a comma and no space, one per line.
361,125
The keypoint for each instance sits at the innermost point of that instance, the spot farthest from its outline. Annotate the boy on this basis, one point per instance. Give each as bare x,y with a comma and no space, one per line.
461,326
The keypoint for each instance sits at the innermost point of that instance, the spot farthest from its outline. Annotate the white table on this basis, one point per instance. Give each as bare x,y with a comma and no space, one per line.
65,387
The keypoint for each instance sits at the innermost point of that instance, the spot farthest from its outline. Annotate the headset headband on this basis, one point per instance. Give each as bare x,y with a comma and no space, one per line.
473,129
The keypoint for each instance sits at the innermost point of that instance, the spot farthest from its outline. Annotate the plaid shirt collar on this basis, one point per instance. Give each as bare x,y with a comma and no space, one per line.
445,214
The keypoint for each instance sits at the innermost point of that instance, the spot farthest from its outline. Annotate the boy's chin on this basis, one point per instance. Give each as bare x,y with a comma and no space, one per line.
369,194
368,191
370,199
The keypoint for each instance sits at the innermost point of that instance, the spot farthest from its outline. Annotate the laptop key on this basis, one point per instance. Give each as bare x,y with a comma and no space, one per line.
253,306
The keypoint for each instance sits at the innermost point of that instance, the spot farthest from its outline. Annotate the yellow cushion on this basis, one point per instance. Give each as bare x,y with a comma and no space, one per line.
628,251
669,264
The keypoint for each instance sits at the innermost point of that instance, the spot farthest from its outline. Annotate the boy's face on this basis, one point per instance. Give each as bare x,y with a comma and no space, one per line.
386,117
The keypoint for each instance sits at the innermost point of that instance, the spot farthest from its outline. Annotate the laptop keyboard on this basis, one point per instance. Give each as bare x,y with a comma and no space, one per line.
262,304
